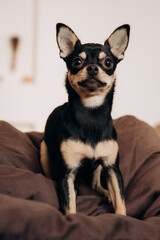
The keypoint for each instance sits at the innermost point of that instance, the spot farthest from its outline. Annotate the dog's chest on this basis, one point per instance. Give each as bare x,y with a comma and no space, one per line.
73,152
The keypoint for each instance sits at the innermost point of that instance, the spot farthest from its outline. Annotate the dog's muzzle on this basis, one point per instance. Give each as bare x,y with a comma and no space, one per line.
92,83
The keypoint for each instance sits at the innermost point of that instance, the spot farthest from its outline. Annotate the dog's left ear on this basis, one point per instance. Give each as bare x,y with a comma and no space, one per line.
66,40
118,41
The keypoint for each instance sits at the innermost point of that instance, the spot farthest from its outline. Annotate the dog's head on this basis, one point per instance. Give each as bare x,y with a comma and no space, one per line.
91,67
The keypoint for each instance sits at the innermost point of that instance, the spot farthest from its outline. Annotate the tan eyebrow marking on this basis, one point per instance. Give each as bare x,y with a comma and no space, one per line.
102,55
83,55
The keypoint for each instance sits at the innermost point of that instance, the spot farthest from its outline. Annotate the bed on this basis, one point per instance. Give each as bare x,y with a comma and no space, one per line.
29,207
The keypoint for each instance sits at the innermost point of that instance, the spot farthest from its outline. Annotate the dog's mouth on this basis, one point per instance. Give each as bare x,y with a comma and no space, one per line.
92,84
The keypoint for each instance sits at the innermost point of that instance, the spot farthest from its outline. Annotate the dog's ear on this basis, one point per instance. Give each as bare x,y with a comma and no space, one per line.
118,41
66,40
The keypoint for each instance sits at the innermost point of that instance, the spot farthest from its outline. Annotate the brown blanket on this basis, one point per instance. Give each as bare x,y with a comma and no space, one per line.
29,207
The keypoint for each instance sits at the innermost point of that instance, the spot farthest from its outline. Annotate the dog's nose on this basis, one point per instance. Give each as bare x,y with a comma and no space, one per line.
92,70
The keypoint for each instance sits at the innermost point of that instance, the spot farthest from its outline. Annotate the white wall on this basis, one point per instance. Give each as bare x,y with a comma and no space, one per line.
138,81
16,19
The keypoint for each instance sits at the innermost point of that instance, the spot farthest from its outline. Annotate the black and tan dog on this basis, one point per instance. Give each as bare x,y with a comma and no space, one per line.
79,135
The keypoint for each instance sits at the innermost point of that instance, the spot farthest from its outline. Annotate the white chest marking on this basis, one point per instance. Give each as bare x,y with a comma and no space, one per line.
74,152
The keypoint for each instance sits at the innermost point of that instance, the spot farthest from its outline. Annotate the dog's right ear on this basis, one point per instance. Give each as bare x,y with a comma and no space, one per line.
66,40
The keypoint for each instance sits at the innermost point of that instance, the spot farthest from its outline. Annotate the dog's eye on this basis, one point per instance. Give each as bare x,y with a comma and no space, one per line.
77,62
108,63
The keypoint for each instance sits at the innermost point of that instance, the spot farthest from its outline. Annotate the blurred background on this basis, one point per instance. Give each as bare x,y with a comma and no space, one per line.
32,74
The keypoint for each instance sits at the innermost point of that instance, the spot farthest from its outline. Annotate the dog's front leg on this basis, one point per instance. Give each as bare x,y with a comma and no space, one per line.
67,195
115,186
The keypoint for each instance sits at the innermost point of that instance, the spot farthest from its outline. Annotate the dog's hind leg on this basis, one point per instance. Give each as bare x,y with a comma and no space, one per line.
44,159
96,183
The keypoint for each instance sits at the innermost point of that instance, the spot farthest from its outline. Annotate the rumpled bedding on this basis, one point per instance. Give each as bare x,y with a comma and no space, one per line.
29,207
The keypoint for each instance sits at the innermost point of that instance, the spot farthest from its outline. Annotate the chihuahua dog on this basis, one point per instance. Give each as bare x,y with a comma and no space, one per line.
80,133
